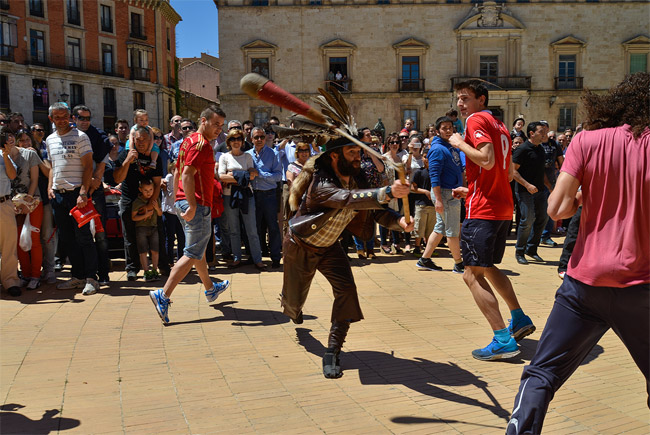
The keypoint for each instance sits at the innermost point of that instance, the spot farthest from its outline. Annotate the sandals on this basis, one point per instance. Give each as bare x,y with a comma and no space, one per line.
332,364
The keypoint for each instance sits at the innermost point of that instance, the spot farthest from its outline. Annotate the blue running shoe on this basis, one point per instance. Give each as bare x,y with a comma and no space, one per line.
497,350
217,289
161,303
523,328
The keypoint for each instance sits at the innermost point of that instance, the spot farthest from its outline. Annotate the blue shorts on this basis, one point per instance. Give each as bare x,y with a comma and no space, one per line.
448,223
197,231
483,242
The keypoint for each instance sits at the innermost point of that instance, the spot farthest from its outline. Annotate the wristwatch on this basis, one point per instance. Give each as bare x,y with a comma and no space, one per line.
389,192
83,195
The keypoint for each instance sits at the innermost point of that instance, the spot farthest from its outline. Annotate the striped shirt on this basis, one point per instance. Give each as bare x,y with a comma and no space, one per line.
65,153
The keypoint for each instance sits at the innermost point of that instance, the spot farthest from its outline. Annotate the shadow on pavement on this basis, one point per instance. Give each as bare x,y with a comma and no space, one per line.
14,422
420,420
244,316
421,375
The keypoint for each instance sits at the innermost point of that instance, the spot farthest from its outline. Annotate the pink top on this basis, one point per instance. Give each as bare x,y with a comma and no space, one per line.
613,246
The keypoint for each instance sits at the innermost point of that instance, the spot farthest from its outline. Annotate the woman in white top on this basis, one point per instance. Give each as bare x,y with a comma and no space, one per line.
240,208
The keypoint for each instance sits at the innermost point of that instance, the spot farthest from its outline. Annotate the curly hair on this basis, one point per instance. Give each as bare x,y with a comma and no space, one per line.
626,103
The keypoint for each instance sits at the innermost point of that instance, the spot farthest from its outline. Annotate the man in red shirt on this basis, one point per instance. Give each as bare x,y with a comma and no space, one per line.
193,184
607,284
489,207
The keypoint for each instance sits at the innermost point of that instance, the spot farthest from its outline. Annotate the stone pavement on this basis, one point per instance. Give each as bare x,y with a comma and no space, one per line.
106,364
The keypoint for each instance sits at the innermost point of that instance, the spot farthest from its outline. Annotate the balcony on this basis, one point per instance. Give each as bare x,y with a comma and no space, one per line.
73,64
138,32
568,82
7,53
140,74
342,86
410,85
4,5
497,83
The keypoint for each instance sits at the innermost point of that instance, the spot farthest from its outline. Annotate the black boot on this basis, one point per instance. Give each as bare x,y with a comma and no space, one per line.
331,360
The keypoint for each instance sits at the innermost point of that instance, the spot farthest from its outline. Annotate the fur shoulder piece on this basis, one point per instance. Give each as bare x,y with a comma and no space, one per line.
301,183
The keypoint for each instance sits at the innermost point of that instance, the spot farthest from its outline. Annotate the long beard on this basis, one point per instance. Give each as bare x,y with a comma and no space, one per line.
347,168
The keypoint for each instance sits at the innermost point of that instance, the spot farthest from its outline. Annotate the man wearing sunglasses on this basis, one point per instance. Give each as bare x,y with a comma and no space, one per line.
264,185
187,127
101,146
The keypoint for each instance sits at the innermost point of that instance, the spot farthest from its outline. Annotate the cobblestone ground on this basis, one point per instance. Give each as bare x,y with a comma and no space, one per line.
106,364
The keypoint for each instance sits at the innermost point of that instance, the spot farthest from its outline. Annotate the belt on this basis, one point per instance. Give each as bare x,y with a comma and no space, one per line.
4,198
62,191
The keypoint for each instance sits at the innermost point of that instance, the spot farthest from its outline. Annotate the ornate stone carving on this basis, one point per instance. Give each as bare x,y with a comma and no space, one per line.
490,15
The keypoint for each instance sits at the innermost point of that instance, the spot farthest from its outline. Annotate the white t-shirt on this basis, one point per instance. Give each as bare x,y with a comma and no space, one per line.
65,153
228,162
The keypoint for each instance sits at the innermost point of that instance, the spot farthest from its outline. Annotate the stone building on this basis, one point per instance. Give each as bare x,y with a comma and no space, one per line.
402,57
200,76
112,55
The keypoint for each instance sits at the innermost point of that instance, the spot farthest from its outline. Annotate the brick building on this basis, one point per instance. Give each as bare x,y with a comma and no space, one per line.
112,55
401,57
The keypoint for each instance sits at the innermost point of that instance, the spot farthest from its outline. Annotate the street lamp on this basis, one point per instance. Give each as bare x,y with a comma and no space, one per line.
427,100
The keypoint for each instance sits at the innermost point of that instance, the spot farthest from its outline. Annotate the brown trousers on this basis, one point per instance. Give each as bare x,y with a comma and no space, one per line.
300,265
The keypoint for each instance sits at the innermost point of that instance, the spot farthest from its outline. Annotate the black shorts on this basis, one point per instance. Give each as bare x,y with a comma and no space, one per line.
483,242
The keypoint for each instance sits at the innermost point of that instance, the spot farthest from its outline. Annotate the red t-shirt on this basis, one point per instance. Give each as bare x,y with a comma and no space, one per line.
489,195
196,151
612,248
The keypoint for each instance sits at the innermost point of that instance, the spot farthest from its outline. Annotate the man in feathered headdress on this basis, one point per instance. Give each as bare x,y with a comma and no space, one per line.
331,195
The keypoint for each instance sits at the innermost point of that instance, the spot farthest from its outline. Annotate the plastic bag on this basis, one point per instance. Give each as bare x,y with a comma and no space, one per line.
25,242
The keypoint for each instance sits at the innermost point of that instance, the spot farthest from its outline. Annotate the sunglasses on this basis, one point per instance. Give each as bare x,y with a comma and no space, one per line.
157,137
393,142
238,139
259,137
176,121
235,127
83,118
303,150
40,130
403,137
186,128
4,121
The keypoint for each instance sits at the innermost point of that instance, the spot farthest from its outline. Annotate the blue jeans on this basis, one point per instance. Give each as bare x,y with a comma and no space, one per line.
533,220
546,234
77,242
234,216
197,231
266,212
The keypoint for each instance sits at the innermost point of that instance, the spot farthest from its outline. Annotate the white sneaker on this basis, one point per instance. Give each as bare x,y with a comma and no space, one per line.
34,283
70,284
90,288
561,274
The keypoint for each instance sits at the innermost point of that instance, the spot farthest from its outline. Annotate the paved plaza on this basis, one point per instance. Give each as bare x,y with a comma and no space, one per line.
106,364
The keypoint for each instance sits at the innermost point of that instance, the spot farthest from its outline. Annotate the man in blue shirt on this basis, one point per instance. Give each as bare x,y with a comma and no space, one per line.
264,185
446,173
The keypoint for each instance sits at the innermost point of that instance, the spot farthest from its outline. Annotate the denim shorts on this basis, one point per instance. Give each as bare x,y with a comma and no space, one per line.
197,231
449,222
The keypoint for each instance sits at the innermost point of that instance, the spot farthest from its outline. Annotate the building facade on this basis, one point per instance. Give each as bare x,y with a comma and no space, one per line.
399,59
112,55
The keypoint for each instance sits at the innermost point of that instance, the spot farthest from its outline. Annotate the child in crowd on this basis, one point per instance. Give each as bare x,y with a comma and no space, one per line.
141,119
173,226
144,214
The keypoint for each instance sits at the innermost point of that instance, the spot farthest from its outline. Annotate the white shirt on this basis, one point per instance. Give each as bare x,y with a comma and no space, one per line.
228,162
65,153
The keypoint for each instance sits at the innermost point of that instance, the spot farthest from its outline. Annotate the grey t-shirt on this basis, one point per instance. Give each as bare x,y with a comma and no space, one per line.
26,159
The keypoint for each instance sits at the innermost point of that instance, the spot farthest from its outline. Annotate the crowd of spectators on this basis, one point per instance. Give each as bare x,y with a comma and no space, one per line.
45,178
